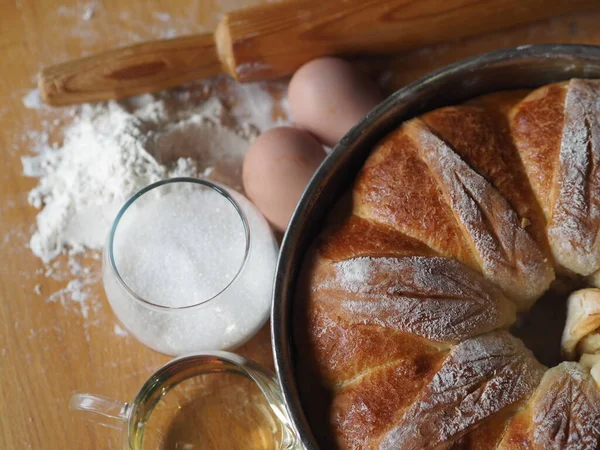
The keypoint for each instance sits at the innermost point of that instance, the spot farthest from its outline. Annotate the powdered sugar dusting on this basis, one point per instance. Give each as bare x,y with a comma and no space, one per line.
479,378
574,227
509,256
442,300
436,298
566,410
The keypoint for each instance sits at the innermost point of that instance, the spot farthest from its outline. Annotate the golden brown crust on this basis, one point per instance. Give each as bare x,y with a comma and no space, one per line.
563,414
345,365
435,298
517,434
574,224
499,102
537,123
486,436
364,409
480,378
402,301
355,237
557,133
395,188
482,139
505,251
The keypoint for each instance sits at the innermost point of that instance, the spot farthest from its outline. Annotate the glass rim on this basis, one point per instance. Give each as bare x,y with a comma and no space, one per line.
220,190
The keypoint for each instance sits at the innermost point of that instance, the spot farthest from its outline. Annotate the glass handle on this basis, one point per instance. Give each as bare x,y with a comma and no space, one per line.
290,441
101,410
272,391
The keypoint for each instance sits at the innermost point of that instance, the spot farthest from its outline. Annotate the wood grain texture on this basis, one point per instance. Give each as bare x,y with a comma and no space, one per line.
271,41
48,350
129,71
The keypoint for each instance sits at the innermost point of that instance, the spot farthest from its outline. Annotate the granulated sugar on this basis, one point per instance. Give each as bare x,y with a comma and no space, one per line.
183,245
180,248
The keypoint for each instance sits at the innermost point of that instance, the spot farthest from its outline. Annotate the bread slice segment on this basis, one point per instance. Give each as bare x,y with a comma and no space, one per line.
563,414
480,378
574,225
557,133
396,190
508,254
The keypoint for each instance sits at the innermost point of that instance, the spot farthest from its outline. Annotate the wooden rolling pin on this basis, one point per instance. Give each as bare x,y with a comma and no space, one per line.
273,40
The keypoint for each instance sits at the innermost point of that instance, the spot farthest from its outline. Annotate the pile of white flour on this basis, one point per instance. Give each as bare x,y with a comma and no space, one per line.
112,150
90,159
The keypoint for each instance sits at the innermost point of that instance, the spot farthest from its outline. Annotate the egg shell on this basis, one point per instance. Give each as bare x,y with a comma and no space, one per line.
328,96
278,166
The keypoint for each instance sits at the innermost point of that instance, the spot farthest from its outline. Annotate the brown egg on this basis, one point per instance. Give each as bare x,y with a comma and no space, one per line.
277,168
328,96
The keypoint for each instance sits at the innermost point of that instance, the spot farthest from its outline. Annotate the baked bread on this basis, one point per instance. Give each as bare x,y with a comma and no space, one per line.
458,221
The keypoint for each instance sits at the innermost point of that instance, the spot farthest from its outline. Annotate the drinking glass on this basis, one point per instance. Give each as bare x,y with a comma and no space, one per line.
223,293
171,408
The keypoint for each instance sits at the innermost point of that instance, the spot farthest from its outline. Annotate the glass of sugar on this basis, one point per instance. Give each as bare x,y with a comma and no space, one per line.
188,266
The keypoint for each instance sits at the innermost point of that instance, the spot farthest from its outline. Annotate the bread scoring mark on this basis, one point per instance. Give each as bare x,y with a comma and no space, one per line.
509,256
436,298
390,348
566,410
536,125
573,228
480,378
480,135
396,189
361,412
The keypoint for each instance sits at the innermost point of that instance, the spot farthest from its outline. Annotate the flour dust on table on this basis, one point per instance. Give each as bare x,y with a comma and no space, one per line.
108,154
111,150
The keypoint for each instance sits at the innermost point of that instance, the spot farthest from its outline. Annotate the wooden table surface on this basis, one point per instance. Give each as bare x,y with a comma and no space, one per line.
52,348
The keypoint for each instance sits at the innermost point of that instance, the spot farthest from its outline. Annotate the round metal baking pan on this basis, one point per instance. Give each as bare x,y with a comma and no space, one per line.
517,68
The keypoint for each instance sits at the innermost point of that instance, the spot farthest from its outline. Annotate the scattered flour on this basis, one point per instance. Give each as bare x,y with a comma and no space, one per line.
32,100
88,12
90,159
109,153
104,159
120,331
